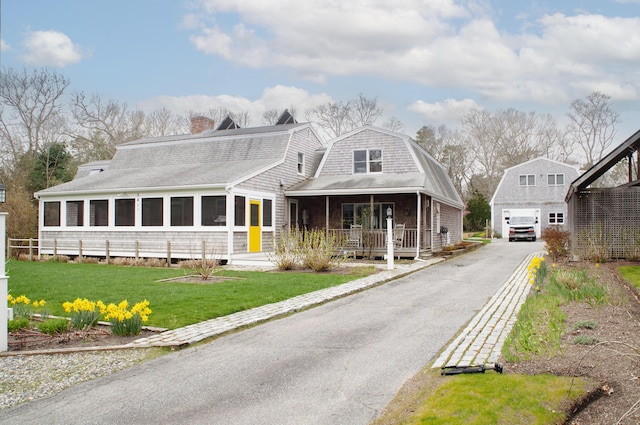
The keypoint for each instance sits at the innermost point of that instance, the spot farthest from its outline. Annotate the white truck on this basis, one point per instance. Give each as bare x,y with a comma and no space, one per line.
522,224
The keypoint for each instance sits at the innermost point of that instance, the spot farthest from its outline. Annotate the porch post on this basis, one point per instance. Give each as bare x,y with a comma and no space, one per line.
418,227
326,213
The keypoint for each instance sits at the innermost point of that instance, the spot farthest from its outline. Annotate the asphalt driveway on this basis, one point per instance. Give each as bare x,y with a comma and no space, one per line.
339,363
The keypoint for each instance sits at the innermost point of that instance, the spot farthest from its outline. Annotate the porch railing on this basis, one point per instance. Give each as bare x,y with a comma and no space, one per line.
377,238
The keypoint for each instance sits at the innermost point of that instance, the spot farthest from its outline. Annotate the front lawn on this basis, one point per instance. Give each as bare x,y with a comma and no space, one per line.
173,304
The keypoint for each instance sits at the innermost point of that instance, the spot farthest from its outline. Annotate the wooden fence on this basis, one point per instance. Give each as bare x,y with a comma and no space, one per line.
107,249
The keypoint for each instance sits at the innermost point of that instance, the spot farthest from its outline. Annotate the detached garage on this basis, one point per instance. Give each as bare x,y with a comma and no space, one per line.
534,187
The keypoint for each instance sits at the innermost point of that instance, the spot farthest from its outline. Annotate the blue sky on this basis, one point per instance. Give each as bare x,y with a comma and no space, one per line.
428,62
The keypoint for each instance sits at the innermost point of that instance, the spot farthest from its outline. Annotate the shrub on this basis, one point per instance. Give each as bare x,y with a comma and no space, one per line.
585,340
286,251
585,324
318,251
19,323
557,242
53,326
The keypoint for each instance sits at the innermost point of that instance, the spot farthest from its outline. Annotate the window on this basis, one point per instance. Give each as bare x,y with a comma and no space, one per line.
267,213
367,161
182,211
239,211
125,212
214,210
527,180
555,179
300,163
99,212
75,213
152,212
556,218
361,214
255,214
51,214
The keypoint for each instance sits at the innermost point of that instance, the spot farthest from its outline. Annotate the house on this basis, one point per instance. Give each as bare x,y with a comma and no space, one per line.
216,191
534,187
369,172
228,191
606,221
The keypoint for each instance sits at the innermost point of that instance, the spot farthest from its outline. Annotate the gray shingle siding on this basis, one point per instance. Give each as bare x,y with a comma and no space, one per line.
395,156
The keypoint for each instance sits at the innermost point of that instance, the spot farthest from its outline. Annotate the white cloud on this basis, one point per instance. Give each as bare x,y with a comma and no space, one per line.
51,48
444,44
4,46
278,97
448,112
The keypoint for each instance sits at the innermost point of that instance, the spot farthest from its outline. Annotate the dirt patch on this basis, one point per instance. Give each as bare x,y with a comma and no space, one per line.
201,280
101,336
612,363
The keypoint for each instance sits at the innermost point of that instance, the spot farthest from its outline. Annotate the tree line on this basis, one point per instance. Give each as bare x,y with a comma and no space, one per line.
47,130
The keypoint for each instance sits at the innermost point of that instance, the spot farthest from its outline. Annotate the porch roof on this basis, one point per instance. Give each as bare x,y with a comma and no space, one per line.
371,184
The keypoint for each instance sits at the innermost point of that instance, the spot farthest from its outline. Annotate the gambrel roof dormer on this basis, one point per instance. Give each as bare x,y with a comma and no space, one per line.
376,160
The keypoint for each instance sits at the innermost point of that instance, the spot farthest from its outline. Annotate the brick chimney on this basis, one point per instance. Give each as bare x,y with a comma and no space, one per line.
200,124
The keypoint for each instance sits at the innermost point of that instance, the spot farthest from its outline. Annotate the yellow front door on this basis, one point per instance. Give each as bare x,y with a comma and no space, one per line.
254,226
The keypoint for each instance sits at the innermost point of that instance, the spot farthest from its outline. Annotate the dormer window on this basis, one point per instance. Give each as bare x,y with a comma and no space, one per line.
555,179
367,161
527,179
300,163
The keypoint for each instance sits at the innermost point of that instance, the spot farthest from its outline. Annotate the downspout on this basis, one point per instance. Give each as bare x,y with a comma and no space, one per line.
418,227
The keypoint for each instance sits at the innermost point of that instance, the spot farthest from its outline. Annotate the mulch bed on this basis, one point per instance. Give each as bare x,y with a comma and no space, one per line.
100,336
612,364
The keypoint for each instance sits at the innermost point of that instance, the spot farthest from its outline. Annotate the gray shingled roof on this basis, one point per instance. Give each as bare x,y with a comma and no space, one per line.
214,158
434,182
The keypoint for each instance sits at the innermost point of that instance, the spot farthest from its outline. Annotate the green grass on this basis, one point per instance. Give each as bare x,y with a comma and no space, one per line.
173,304
492,398
537,331
630,274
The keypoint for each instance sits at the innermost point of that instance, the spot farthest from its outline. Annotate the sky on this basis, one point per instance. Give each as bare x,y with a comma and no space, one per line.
427,62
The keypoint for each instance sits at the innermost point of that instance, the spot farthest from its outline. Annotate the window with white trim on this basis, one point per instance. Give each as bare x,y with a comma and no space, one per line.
367,161
300,163
527,179
555,179
556,218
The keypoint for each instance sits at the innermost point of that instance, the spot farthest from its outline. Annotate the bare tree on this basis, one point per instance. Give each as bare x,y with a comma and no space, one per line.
270,116
102,125
393,124
30,109
504,139
364,111
163,122
592,125
334,118
446,146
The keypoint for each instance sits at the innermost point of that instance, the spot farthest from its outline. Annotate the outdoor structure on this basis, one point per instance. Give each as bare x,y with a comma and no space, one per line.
369,171
606,221
535,187
230,191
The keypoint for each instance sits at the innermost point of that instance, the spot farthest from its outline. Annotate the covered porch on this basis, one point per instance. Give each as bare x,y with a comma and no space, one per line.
359,222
